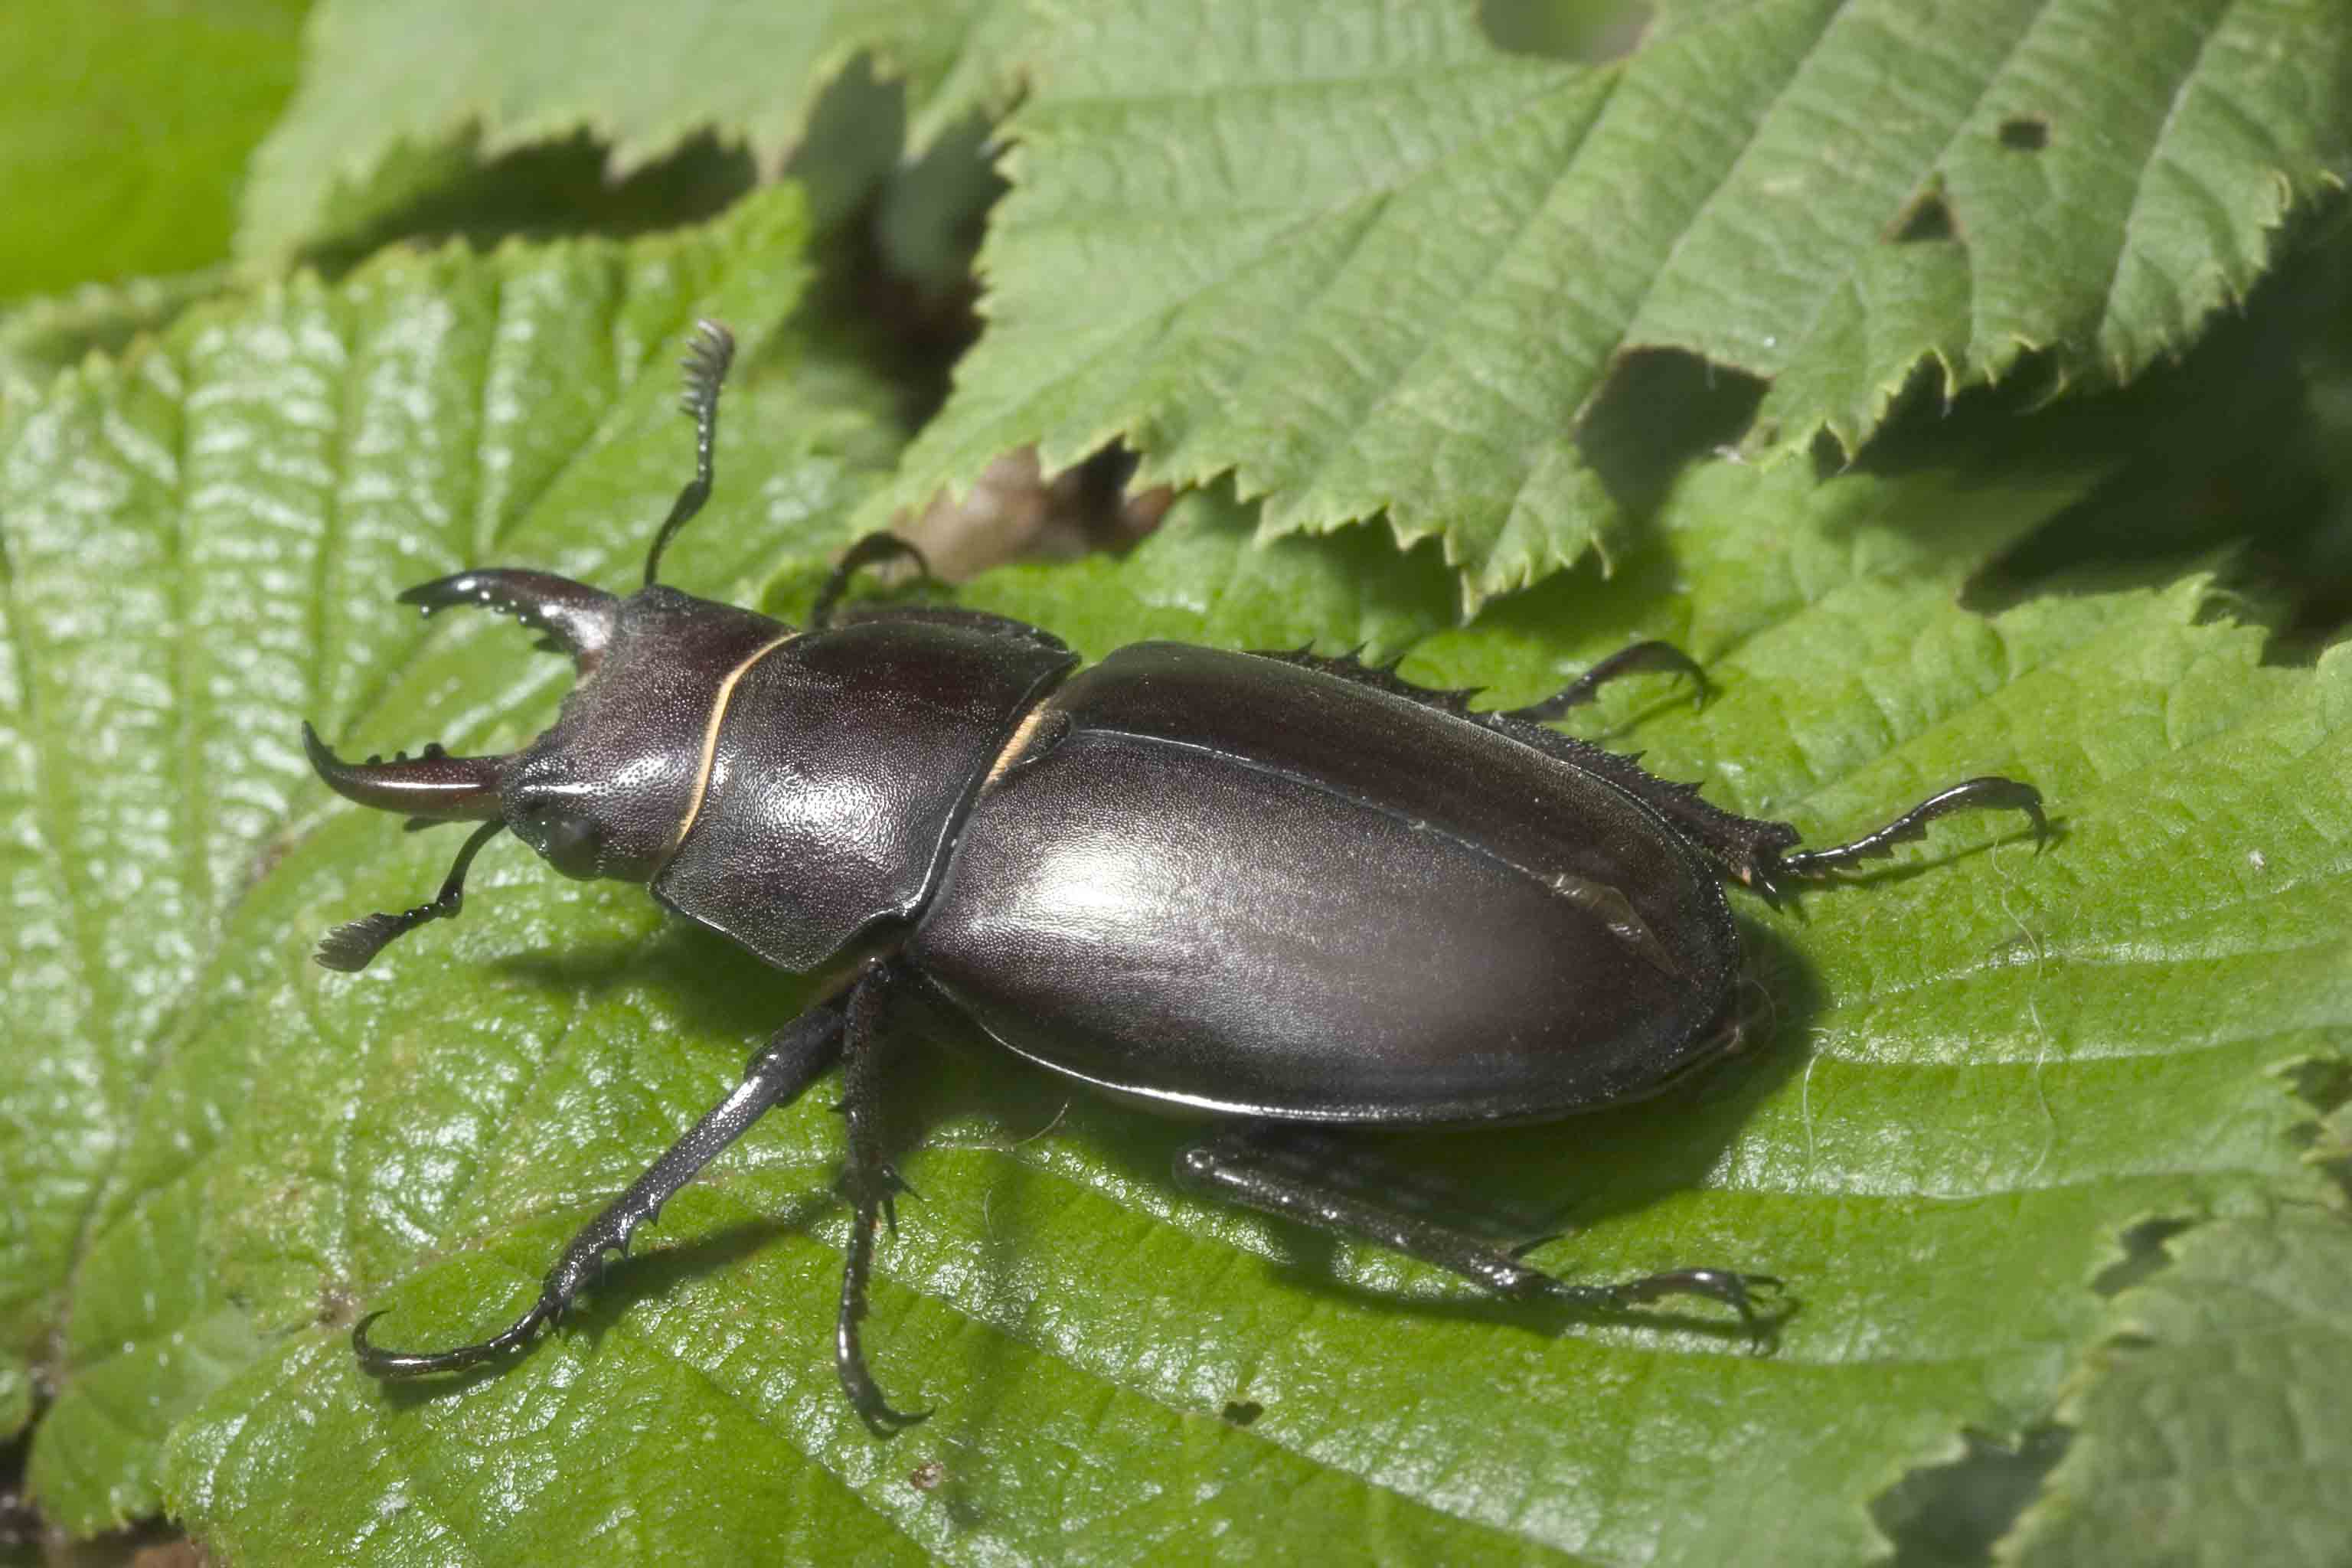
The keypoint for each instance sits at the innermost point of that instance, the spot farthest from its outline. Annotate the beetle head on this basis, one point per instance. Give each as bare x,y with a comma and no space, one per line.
608,789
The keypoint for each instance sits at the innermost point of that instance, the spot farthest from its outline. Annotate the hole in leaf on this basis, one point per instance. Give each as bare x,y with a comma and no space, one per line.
2143,1254
338,1305
2025,133
1926,218
933,211
1565,29
1828,454
1242,1412
1949,1516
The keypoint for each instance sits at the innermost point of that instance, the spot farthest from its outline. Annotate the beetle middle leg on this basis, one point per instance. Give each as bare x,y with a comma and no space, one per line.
1763,855
1260,1168
1988,792
1642,658
800,1050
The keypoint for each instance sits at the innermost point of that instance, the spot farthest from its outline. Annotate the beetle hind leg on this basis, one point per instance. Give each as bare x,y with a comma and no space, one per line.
1263,1168
782,1067
872,1186
1989,793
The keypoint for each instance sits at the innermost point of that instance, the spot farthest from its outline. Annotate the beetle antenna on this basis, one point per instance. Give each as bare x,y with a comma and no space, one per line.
352,947
706,362
867,551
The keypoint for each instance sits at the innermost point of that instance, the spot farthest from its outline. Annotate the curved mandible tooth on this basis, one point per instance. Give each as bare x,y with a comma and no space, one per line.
577,618
442,787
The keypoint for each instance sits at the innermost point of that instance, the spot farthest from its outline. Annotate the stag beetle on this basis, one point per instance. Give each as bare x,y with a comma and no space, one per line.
1280,891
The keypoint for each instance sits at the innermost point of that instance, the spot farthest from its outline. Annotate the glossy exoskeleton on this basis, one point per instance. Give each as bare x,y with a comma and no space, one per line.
1285,892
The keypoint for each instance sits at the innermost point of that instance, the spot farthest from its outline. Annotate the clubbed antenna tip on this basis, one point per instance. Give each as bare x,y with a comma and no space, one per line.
352,946
349,947
708,359
706,363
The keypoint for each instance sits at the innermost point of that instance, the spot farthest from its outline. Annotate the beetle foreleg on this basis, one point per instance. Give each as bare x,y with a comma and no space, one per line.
1655,657
872,1185
1988,793
1250,1167
800,1050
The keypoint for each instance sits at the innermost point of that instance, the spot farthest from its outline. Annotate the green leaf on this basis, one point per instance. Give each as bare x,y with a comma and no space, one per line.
123,124
1972,1073
201,545
1367,263
399,97
1202,579
2216,1425
1973,1088
38,338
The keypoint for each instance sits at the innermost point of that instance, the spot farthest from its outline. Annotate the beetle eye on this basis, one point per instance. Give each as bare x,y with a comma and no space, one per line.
573,844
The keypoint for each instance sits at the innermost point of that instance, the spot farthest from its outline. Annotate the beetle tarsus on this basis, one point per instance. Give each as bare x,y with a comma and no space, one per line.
849,1352
1644,657
1737,1291
893,1185
393,1365
872,1184
1988,793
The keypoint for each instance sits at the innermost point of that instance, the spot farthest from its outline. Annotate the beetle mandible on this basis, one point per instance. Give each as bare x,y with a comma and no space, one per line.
1283,891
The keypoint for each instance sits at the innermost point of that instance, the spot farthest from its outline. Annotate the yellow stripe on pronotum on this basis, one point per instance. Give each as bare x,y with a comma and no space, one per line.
710,737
